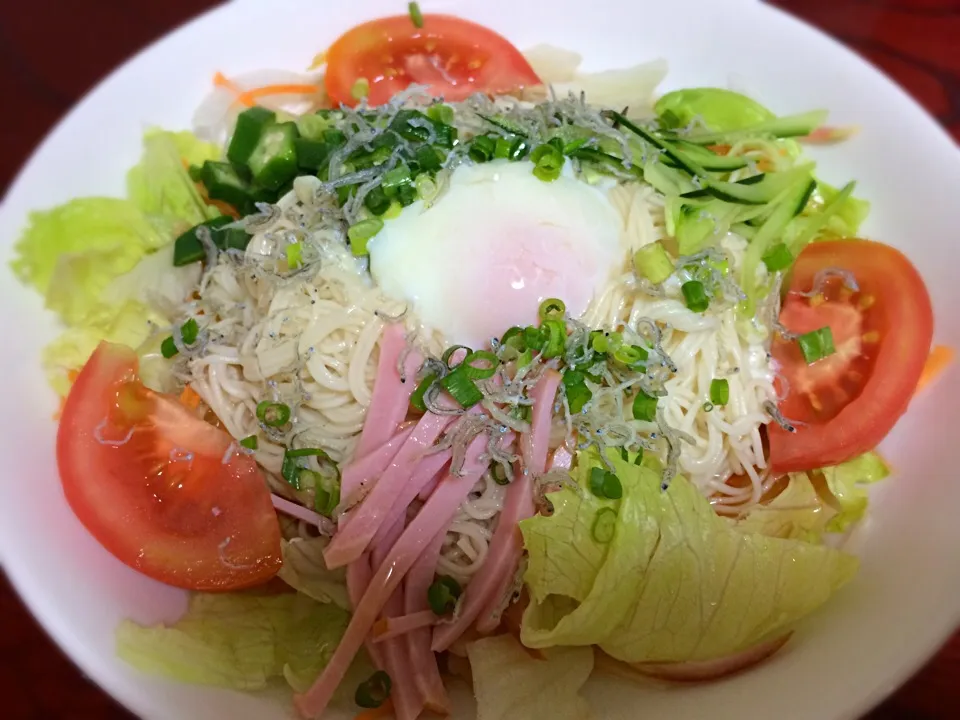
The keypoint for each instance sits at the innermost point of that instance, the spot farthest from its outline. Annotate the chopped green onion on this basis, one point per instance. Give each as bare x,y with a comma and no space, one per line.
695,295
377,201
604,525
273,414
374,691
502,149
482,148
633,356
361,233
719,392
393,211
605,342
556,338
653,263
816,345
442,595
427,188
576,390
480,373
416,17
519,149
250,442
639,458
462,388
644,407
451,351
524,359
440,113
168,348
360,89
604,484
514,338
548,162
552,309
294,255
778,258
708,407
394,179
428,159
534,337
416,400
291,470
498,474
189,331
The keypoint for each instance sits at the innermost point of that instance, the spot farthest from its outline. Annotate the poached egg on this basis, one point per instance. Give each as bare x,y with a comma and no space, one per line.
493,246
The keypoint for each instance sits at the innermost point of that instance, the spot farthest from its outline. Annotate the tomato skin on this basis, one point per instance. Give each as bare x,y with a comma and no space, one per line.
872,377
199,524
454,57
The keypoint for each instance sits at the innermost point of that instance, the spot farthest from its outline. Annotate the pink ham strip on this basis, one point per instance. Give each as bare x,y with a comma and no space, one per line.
369,466
434,517
427,470
427,490
404,624
407,701
358,579
391,396
488,586
426,674
357,530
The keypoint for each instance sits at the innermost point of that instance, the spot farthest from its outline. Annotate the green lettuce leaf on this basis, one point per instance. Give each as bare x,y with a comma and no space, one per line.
72,252
160,185
304,569
504,675
848,482
676,582
847,220
719,109
96,261
797,513
238,641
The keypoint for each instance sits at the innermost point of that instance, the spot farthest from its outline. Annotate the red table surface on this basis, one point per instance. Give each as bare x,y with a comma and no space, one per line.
53,51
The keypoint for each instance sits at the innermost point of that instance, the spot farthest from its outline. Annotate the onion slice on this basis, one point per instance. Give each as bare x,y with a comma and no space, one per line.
703,670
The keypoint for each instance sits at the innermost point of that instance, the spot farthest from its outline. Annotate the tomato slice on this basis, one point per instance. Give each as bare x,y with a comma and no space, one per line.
846,403
455,58
164,491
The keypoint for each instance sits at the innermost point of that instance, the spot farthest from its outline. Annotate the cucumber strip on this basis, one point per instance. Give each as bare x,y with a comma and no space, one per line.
781,127
667,180
504,124
815,223
769,233
668,149
759,192
709,160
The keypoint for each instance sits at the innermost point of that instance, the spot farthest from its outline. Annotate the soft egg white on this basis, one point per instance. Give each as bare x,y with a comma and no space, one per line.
493,246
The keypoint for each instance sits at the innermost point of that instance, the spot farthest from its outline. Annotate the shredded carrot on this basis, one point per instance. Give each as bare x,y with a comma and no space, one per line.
385,710
221,80
189,398
249,97
719,149
940,357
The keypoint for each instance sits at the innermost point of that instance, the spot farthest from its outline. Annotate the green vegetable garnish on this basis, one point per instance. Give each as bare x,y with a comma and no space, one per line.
273,414
577,392
653,263
373,692
443,594
548,162
644,407
552,309
416,17
604,484
361,233
462,388
778,258
816,345
719,392
416,399
250,442
695,295
604,525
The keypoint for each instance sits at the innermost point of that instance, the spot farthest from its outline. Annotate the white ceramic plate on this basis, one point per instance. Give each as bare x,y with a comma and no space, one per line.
906,599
